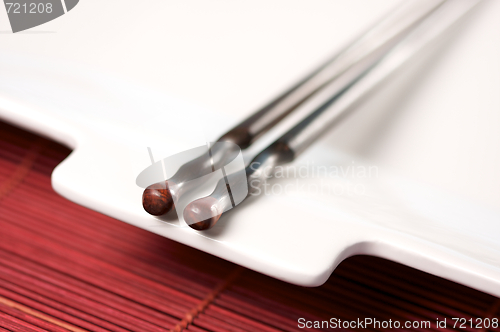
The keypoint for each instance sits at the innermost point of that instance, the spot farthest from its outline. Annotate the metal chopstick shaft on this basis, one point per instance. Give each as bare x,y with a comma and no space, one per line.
353,85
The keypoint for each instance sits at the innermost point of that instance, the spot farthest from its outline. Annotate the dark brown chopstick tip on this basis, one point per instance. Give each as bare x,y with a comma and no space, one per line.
202,214
157,199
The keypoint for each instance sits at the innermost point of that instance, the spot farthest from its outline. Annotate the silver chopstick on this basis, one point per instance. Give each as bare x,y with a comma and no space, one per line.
333,103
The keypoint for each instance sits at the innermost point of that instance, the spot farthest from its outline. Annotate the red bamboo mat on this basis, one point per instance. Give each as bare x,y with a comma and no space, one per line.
66,268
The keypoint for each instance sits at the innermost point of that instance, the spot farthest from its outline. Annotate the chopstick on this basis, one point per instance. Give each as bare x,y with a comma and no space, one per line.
335,100
158,198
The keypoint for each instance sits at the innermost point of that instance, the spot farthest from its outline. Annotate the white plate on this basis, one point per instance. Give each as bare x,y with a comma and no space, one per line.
430,137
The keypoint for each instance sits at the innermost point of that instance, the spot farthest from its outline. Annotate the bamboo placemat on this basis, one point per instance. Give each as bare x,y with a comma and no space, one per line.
66,268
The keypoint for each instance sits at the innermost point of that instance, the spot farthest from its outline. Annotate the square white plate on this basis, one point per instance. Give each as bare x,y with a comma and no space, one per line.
178,76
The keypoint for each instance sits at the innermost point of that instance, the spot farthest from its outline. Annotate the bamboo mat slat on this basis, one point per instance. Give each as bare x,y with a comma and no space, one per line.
66,268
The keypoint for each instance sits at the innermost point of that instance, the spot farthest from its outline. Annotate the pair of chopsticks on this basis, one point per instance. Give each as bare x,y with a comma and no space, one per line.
328,93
